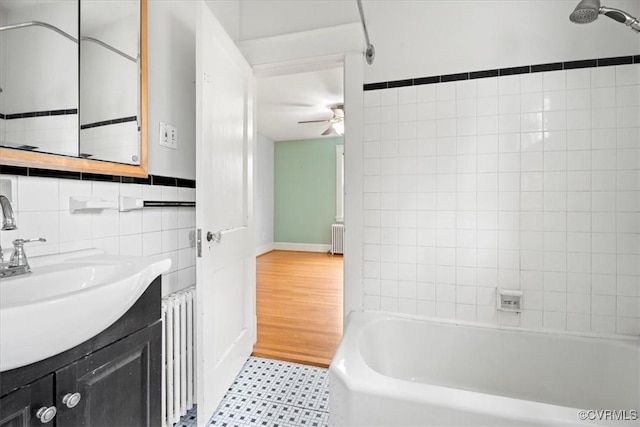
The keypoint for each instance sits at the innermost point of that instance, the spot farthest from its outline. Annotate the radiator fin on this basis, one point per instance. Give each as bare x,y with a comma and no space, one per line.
337,238
178,373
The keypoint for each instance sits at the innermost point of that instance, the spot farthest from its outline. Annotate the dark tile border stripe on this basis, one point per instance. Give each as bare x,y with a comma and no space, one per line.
134,180
14,170
39,114
164,181
109,122
589,63
427,80
623,60
454,77
546,67
526,69
484,74
47,173
515,70
103,178
186,183
400,83
374,86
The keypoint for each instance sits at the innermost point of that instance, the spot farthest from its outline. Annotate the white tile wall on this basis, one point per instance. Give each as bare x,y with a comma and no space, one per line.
527,182
42,210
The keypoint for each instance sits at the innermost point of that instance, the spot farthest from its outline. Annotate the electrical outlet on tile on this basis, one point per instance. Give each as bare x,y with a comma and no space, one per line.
168,136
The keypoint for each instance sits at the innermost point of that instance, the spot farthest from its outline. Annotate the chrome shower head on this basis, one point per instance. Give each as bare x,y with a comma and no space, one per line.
588,10
585,12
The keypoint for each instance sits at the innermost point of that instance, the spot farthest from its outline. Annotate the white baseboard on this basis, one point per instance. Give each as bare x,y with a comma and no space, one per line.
302,247
263,249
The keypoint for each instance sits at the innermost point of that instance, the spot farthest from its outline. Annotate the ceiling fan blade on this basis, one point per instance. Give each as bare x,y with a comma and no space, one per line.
314,121
328,131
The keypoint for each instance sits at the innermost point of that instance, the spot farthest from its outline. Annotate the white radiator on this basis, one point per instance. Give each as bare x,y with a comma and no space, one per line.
178,355
337,238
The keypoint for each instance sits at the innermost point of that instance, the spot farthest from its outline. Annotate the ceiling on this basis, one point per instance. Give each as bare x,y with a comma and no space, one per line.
285,100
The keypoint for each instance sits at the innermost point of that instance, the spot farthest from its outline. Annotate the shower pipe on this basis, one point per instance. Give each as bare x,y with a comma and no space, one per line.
67,35
370,54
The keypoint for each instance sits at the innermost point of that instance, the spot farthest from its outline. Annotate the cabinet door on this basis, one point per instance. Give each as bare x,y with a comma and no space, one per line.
118,385
20,408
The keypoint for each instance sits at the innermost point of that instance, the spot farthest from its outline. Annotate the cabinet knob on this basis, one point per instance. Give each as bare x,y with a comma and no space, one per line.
45,414
71,399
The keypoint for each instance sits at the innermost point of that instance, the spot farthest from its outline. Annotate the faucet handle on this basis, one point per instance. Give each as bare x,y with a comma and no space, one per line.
20,242
19,258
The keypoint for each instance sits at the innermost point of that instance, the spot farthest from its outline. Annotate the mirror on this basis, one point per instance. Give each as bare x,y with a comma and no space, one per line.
39,76
104,131
109,81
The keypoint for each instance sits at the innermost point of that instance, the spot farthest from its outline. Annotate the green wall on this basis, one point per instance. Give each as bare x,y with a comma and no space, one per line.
305,190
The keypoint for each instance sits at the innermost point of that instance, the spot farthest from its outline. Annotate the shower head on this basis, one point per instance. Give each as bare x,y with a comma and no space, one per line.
585,12
588,10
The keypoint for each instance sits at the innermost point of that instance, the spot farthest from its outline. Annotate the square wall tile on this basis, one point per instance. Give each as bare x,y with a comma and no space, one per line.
37,194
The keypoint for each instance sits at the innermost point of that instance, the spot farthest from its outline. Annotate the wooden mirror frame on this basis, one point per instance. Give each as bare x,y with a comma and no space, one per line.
33,159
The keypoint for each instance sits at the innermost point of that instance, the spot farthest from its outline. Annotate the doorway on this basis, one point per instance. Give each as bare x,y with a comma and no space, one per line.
299,285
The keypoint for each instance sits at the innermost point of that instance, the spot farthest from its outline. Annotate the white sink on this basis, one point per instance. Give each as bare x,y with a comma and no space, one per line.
67,299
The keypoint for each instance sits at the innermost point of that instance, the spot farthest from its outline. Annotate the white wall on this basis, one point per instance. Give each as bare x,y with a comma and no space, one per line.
264,195
426,38
171,35
228,13
260,18
172,68
431,37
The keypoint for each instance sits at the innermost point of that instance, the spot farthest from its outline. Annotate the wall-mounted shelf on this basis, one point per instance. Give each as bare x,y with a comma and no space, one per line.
90,203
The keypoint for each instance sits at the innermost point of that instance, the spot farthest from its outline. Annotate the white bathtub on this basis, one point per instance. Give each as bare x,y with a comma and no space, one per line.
393,371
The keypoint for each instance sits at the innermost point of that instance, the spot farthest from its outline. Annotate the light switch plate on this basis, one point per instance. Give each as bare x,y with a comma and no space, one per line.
168,136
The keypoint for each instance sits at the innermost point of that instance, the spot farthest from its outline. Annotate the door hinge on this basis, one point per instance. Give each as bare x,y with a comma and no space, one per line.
199,243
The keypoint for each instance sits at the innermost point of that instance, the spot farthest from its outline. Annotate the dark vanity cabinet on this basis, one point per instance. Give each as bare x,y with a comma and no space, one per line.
110,380
22,407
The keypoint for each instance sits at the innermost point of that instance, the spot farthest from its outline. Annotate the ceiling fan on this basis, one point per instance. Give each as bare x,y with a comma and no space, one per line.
336,123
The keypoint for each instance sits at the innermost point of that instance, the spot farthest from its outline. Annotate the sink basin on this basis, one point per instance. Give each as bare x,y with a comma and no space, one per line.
67,299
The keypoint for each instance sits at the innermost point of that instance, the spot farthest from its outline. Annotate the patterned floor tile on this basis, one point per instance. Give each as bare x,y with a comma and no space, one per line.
272,393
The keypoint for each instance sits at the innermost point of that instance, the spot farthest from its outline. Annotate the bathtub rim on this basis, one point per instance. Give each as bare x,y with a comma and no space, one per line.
349,367
633,339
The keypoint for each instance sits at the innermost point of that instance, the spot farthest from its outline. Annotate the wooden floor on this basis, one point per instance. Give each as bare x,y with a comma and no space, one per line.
299,306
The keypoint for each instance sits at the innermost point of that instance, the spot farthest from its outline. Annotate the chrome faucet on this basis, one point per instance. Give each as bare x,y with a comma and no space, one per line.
18,263
8,219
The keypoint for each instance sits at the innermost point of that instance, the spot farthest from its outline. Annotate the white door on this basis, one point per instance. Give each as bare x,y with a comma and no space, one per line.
225,140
